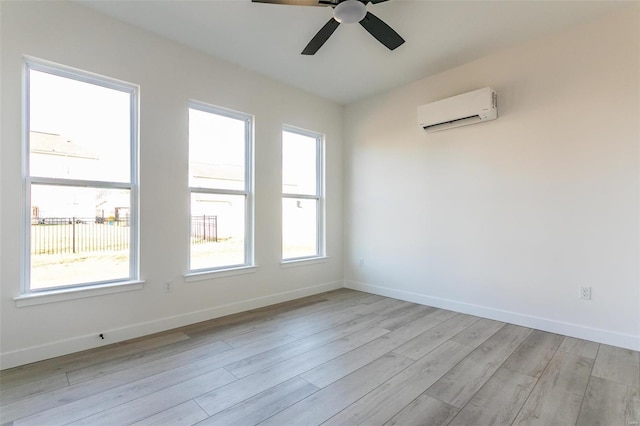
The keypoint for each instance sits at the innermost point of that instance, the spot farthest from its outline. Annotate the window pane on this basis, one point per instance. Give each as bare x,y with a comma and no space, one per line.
78,130
217,230
78,235
299,164
299,228
216,151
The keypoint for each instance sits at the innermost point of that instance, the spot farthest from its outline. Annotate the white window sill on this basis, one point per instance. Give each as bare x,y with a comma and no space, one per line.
220,273
303,262
61,295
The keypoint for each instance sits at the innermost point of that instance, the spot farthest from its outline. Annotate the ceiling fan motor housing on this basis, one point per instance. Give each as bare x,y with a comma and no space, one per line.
346,12
349,12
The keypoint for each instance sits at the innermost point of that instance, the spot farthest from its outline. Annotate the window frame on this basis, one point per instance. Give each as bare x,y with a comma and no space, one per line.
319,196
248,192
63,71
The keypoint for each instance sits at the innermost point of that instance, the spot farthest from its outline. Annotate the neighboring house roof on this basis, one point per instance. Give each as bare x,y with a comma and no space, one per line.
217,171
54,144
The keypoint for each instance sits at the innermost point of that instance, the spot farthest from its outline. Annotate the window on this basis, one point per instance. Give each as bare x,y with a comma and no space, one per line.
302,195
220,182
81,179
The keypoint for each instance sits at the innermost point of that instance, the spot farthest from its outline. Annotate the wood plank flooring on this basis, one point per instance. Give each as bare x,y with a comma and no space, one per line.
338,358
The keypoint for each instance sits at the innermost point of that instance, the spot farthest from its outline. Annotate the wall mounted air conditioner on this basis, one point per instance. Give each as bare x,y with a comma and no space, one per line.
462,110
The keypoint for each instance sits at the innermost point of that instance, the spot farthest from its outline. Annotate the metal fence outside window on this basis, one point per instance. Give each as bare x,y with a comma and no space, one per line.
64,235
61,235
204,229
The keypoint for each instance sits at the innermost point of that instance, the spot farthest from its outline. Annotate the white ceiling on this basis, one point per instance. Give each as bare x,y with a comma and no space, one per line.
352,65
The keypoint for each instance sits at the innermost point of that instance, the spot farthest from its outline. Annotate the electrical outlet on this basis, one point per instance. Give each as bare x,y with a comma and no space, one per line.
361,262
585,293
168,287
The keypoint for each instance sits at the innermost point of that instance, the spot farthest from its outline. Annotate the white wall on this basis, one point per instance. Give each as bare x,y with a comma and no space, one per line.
504,219
169,75
507,219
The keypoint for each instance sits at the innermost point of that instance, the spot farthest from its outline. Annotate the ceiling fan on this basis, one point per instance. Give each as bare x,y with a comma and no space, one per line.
346,12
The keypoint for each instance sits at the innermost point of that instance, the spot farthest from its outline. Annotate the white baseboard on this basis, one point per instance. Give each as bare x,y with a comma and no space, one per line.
622,340
80,343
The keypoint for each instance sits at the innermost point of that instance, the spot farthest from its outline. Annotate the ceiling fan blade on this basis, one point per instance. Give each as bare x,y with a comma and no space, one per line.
321,37
381,31
322,3
377,1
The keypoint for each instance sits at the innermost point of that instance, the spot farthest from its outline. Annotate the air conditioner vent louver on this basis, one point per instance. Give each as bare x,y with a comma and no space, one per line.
462,110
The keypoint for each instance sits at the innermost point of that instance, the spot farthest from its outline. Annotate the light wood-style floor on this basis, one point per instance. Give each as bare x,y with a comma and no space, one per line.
342,357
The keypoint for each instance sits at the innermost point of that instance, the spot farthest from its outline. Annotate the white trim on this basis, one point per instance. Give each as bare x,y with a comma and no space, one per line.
302,196
25,223
79,183
247,193
84,76
319,195
322,212
292,263
198,190
608,337
88,341
38,297
219,273
63,294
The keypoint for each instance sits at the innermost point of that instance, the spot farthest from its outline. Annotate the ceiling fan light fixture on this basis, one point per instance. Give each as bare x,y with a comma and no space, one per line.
349,12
